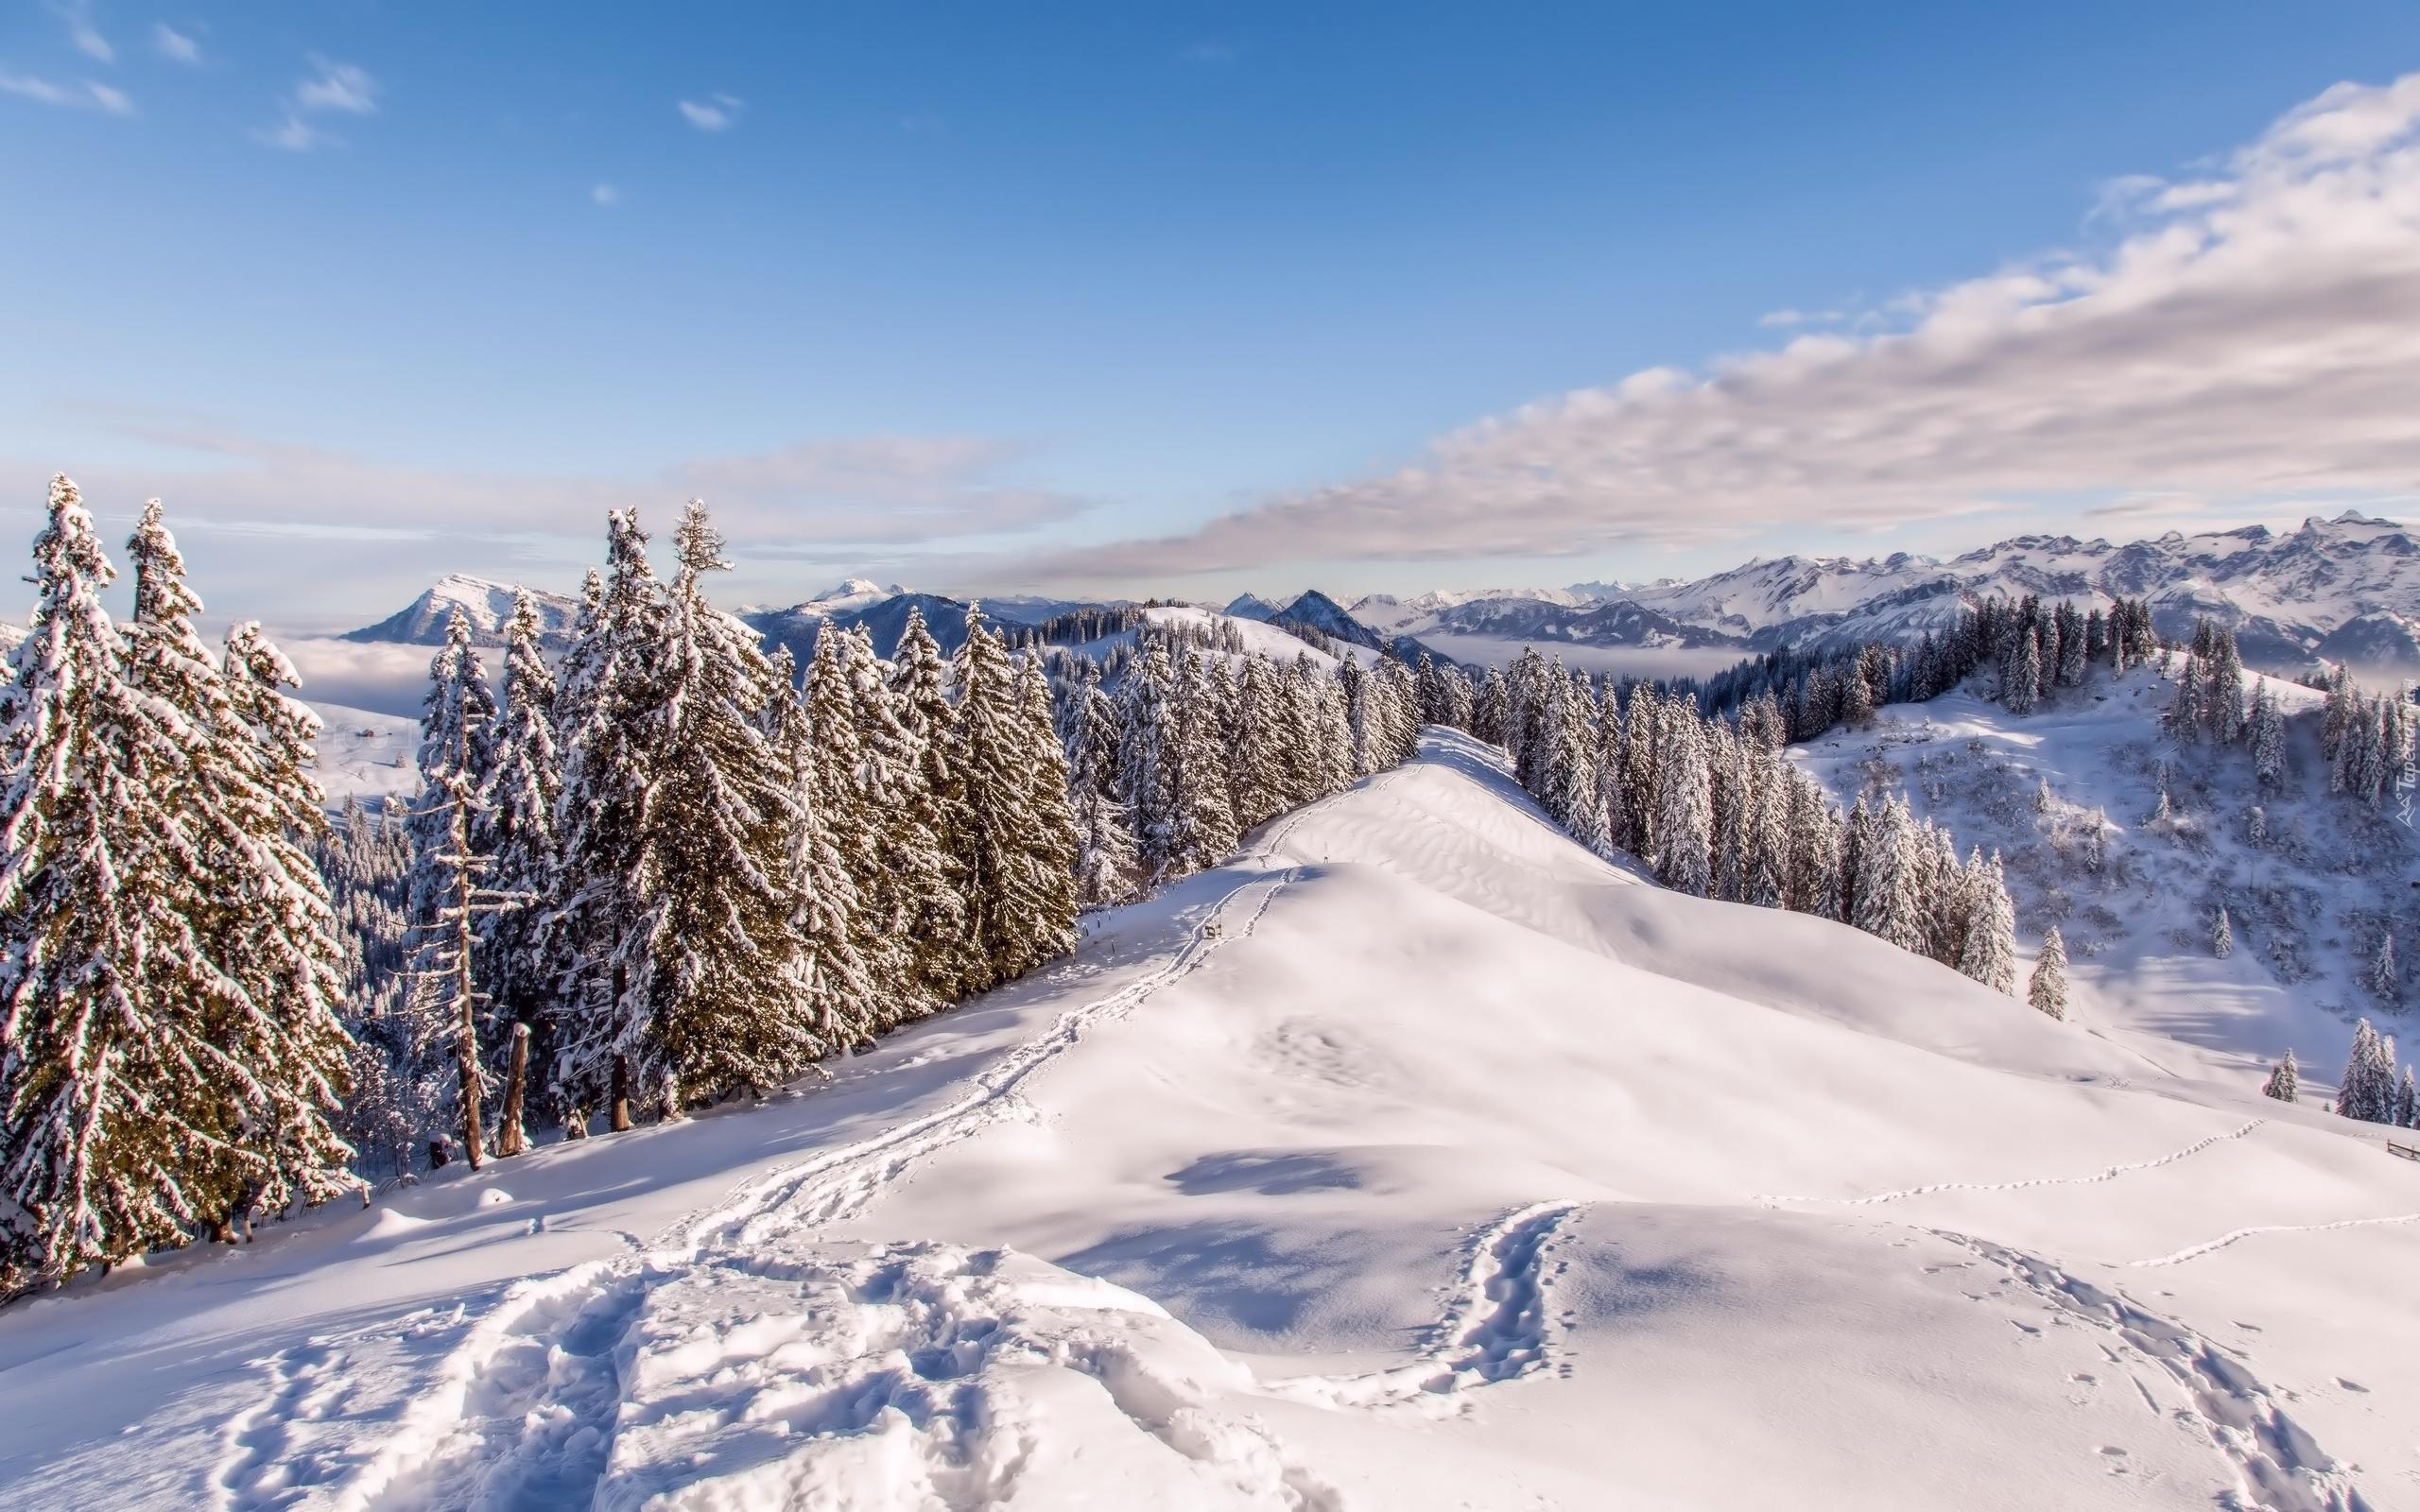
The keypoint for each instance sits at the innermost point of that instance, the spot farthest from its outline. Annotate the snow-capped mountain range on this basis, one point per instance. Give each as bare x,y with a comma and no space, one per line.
2344,589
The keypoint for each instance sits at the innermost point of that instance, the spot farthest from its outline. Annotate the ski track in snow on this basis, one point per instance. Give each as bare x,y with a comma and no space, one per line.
1496,1326
2277,1465
2197,1251
2110,1174
523,1411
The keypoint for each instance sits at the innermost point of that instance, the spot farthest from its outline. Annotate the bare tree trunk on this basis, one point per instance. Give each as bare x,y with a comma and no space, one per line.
509,1137
621,1118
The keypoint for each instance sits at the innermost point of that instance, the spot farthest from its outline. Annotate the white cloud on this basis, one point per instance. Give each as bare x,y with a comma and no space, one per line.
345,89
82,35
296,134
2248,337
716,113
1783,318
342,87
175,45
605,195
88,96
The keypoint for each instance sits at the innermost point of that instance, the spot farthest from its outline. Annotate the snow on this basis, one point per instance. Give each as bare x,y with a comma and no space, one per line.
1415,1158
365,754
2138,937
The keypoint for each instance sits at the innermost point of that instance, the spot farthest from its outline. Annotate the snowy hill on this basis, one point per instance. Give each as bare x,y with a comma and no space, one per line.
2305,904
1414,1160
486,605
1252,607
364,754
1314,610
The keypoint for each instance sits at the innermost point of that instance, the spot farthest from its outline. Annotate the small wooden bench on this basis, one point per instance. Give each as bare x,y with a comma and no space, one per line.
2404,1150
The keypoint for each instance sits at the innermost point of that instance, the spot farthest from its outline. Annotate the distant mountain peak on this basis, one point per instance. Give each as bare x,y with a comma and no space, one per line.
485,604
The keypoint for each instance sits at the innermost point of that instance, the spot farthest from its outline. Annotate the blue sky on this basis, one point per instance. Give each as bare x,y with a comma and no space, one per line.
971,295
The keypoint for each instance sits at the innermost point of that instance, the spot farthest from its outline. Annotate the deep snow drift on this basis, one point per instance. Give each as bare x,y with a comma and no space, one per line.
1416,1159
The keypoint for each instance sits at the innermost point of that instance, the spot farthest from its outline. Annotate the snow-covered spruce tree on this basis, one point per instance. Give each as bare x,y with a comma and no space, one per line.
281,942
1990,953
1811,887
2021,677
841,996
1889,903
1206,820
1683,825
2047,989
245,797
1525,714
920,699
2385,979
517,835
1148,757
1017,845
2406,1112
909,885
449,888
721,977
2367,1091
1107,868
1491,711
2222,934
1610,790
608,719
846,785
1360,716
2223,699
1254,765
2285,1079
1642,770
1769,840
2185,711
112,1092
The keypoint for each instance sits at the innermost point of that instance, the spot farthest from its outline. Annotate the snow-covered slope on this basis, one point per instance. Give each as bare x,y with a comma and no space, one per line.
486,604
364,754
2306,905
1414,1160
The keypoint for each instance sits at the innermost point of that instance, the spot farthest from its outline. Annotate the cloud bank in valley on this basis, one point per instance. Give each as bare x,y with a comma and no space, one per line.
2253,332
